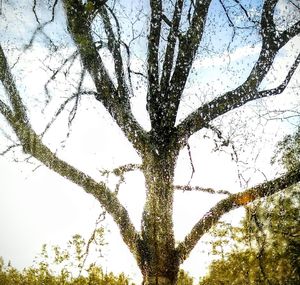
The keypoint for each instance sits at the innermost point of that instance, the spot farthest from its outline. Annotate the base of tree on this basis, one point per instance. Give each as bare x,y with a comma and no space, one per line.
158,280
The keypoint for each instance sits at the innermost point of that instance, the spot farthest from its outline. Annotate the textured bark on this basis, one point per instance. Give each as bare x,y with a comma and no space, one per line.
158,280
159,260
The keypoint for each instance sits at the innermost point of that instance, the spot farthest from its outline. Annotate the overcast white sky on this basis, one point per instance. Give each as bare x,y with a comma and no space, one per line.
39,206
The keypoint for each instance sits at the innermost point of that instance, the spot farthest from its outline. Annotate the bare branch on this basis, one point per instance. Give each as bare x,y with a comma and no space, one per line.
114,48
279,89
58,112
201,189
92,239
34,12
8,149
153,48
191,162
11,89
245,11
229,101
232,202
295,5
226,13
40,27
272,41
71,58
53,11
170,50
120,172
188,45
114,101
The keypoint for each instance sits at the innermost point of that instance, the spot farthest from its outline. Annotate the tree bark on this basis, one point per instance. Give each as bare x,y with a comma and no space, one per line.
158,280
160,263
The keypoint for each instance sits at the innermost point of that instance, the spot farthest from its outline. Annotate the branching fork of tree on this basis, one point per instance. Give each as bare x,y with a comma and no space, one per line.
154,247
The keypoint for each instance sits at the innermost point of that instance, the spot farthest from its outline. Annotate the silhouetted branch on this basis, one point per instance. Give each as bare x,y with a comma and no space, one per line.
40,27
8,149
71,59
115,49
114,101
227,102
187,48
93,238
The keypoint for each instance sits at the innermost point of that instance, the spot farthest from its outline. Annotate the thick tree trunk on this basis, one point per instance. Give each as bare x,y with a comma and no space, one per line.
160,263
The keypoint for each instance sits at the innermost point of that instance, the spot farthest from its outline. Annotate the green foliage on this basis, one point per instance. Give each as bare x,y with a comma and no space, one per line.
59,266
184,278
288,151
39,276
63,267
265,250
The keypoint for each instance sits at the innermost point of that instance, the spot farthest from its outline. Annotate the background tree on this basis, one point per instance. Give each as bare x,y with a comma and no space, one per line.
265,249
177,33
60,267
72,265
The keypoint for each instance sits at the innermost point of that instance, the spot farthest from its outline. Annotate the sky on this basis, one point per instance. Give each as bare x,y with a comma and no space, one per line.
38,206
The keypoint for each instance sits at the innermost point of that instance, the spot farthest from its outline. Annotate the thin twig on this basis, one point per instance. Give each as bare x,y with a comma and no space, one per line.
191,162
8,149
92,239
201,189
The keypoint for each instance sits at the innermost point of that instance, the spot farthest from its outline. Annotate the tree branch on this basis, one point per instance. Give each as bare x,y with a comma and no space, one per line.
9,85
9,148
272,41
288,34
114,48
188,46
120,171
232,202
229,101
201,189
171,43
113,100
153,105
33,145
4,109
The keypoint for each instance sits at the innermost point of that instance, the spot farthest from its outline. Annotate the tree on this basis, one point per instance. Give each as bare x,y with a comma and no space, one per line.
176,30
68,260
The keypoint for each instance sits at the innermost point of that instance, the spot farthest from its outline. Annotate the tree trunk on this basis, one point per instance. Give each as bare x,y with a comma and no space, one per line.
160,264
158,280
